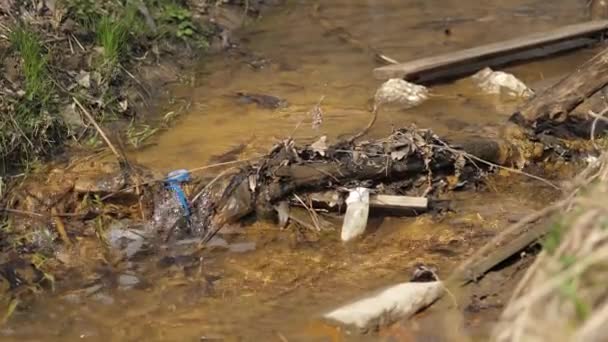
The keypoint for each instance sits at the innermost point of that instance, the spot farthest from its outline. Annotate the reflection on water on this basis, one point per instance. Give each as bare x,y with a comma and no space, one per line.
278,280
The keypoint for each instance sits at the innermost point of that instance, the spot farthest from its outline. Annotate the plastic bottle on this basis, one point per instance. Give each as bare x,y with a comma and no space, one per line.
357,211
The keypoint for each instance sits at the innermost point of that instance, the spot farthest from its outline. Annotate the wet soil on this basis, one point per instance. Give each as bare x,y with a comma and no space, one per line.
276,290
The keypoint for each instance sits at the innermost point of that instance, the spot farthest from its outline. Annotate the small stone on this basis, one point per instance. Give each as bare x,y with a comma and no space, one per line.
242,247
84,79
71,117
103,298
127,280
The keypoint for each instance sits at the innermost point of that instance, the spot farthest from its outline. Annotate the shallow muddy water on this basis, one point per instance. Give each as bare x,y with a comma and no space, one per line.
275,291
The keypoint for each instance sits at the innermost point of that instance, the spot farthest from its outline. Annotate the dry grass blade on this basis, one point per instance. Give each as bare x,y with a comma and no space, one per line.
316,113
369,125
99,129
60,228
563,296
311,212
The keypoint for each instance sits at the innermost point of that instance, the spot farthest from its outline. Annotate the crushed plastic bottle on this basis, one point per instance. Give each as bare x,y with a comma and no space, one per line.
172,206
357,211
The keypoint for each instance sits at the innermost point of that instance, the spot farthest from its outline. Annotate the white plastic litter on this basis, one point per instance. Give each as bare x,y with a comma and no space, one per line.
357,211
402,93
497,82
400,301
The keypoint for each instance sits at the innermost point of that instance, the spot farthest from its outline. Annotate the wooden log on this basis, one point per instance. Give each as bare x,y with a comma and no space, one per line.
493,55
558,101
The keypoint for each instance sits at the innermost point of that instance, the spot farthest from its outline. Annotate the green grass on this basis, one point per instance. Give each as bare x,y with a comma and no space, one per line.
34,64
112,36
28,128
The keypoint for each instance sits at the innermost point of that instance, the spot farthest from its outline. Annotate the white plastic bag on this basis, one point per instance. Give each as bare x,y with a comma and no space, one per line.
497,82
401,93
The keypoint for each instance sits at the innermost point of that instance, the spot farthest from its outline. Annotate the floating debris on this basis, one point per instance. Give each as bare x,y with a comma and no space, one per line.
400,301
402,93
357,211
497,82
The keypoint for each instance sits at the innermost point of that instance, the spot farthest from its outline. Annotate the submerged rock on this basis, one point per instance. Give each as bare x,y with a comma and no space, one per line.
127,280
242,247
127,241
262,100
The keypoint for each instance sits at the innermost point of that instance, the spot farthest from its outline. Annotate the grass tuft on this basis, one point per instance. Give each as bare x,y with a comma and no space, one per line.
28,129
112,36
34,64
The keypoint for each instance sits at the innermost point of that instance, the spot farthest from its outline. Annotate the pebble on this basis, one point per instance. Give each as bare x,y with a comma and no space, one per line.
242,247
127,280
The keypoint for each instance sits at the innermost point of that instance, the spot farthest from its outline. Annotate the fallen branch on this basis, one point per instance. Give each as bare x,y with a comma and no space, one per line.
557,102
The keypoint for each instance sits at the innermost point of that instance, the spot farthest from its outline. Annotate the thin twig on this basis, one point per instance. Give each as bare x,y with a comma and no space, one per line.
136,80
489,163
220,175
597,117
98,128
60,227
311,212
78,42
22,212
368,127
206,167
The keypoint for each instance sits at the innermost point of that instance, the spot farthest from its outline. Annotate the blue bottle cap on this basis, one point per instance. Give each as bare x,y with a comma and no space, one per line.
178,176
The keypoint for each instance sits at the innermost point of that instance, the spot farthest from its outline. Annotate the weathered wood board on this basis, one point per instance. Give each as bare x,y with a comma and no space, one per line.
398,202
463,62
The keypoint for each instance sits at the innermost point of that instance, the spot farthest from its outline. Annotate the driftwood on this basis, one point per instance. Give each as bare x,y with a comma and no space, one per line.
493,55
558,101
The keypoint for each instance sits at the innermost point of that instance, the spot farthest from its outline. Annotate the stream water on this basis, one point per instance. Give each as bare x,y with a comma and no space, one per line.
275,291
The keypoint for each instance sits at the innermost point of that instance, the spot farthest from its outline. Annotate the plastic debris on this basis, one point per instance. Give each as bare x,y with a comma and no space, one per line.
497,82
357,211
173,182
402,93
400,301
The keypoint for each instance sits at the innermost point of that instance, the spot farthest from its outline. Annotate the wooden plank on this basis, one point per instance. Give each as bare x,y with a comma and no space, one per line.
497,54
398,202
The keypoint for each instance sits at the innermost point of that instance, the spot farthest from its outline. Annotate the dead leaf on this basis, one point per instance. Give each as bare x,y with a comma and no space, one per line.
123,105
317,114
283,212
253,183
320,146
84,79
398,155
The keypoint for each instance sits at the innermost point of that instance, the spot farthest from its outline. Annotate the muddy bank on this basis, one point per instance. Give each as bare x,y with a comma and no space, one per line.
117,59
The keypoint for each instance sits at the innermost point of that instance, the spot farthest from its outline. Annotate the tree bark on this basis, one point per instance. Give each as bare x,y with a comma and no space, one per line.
557,102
